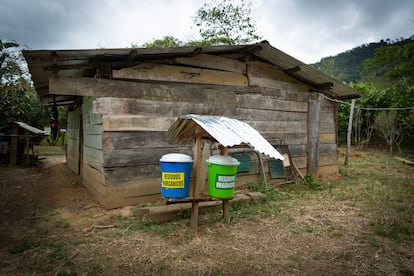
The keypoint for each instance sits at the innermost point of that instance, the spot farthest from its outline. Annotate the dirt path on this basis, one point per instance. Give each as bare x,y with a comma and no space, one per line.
361,225
30,193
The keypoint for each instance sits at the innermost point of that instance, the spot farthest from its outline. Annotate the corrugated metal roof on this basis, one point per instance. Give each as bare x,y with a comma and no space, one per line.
30,128
44,63
306,73
228,132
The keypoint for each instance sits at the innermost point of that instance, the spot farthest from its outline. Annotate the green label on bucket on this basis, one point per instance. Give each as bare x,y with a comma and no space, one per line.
225,181
172,179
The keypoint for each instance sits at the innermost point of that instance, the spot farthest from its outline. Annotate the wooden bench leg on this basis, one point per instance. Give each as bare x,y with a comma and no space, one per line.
194,215
226,210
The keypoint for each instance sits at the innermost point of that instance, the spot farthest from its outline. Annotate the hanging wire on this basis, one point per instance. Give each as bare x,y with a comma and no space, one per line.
369,108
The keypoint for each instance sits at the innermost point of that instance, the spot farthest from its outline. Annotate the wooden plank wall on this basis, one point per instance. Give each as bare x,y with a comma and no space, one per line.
92,154
72,149
280,110
134,139
131,130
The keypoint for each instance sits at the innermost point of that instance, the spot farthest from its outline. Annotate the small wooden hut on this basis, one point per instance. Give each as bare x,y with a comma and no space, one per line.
122,102
16,143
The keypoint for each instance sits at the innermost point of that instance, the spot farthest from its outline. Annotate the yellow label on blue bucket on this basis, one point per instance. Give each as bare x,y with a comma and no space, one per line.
225,181
172,179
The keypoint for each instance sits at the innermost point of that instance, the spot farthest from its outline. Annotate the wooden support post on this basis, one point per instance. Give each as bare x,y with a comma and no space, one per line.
226,210
348,135
194,214
26,149
224,150
195,188
225,202
14,141
314,110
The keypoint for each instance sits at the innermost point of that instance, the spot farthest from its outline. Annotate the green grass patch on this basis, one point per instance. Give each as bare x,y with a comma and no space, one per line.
23,246
395,232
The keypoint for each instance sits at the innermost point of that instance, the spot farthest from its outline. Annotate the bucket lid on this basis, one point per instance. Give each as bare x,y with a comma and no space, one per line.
223,160
176,157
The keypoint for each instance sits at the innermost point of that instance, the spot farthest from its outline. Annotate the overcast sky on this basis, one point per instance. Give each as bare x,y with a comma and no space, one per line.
305,29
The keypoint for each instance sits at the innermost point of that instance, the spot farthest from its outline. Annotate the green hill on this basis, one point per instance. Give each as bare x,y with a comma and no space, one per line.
347,66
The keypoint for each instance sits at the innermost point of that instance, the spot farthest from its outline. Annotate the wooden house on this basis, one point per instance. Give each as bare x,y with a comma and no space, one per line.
122,102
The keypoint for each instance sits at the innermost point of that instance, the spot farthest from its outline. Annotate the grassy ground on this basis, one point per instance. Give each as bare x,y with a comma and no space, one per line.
360,224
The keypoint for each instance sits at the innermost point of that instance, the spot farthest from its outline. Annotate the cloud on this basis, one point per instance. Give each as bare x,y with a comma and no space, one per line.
307,30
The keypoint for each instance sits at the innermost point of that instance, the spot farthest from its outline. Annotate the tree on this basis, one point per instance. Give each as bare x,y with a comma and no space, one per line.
166,41
226,22
18,100
392,64
389,127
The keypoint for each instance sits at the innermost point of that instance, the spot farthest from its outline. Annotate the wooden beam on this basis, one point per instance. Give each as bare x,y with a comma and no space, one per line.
162,72
165,91
313,133
214,62
122,106
195,52
324,86
132,55
405,161
292,70
137,123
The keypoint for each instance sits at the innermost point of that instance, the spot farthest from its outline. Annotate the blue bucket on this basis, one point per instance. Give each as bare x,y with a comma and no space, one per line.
175,175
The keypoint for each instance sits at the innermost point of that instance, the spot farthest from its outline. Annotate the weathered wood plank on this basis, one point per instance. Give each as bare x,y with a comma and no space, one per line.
92,130
93,157
329,172
268,71
298,150
135,139
327,138
326,127
90,118
172,92
136,123
289,138
122,106
111,202
301,162
269,115
93,180
301,150
92,123
93,141
139,187
161,72
279,126
73,132
133,157
282,94
328,159
265,82
325,160
270,103
119,175
327,149
313,133
214,62
327,117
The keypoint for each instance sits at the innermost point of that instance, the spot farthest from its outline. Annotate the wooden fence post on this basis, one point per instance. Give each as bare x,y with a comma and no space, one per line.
348,135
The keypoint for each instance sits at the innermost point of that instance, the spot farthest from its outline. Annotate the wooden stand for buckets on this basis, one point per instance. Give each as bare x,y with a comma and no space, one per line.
196,187
195,195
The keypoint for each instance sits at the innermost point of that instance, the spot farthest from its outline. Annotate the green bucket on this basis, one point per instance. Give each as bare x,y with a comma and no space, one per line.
222,171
